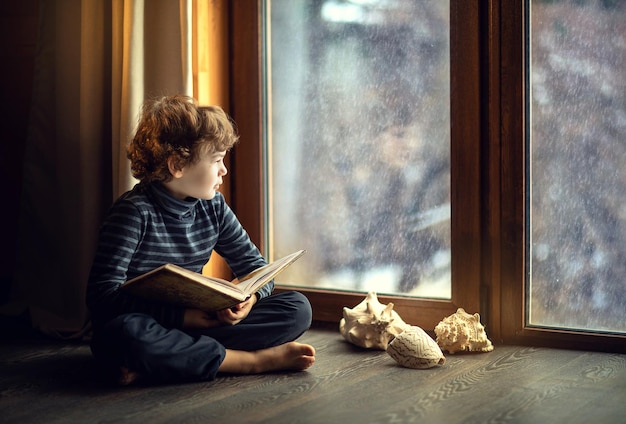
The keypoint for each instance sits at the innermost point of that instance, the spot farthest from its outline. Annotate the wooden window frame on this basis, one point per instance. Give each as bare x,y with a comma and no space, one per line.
247,197
487,156
507,90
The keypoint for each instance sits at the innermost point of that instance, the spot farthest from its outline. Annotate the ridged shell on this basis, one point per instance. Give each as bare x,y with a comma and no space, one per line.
370,324
462,332
414,348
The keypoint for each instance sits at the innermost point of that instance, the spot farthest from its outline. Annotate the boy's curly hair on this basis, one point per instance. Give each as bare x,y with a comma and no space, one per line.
175,126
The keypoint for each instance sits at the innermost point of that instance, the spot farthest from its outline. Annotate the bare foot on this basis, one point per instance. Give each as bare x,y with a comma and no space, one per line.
289,356
127,376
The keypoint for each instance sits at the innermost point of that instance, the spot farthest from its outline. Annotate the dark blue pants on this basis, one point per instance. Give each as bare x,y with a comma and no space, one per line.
138,342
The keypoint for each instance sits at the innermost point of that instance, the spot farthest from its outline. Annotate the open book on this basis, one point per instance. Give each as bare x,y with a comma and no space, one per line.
176,285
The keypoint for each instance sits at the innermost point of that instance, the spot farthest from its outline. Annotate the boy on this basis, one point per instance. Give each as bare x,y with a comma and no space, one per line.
175,214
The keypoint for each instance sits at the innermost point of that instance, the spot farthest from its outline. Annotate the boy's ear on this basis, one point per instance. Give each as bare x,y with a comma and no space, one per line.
173,167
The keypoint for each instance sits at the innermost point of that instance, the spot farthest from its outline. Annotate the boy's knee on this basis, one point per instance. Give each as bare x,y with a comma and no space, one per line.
303,312
306,309
136,326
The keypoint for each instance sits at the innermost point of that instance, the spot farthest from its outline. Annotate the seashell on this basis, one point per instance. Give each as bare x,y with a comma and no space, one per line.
414,348
462,332
370,324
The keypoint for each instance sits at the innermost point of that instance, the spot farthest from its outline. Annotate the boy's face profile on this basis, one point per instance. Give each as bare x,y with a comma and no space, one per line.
200,180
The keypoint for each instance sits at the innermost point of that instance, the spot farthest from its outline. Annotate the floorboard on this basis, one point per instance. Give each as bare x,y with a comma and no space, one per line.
51,381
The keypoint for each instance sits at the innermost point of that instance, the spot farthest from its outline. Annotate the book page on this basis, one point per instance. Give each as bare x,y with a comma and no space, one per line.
261,276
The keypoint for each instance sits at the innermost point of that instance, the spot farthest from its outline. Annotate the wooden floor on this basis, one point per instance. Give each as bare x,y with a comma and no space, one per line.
48,381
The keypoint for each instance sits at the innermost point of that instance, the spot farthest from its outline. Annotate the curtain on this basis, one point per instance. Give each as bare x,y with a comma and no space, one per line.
151,56
97,61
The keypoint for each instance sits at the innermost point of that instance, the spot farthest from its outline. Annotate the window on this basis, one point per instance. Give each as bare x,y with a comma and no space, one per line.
577,224
457,210
530,256
358,95
488,197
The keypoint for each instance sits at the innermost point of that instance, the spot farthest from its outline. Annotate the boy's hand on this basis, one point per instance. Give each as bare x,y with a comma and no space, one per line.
197,319
237,313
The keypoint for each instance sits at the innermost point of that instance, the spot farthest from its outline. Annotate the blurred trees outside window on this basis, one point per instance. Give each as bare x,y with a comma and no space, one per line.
577,157
359,143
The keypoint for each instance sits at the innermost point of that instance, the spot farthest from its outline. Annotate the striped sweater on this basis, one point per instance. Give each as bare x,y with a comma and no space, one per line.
147,227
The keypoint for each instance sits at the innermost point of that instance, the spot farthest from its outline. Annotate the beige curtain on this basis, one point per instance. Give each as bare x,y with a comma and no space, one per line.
151,56
97,61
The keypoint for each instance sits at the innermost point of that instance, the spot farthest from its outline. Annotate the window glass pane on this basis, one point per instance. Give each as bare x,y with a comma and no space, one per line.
359,143
577,264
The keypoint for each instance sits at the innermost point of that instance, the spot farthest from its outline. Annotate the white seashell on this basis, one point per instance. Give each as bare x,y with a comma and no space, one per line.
370,324
414,348
462,332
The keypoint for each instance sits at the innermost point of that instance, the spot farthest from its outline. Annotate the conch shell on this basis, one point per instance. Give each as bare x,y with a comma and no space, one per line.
414,348
462,332
370,324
